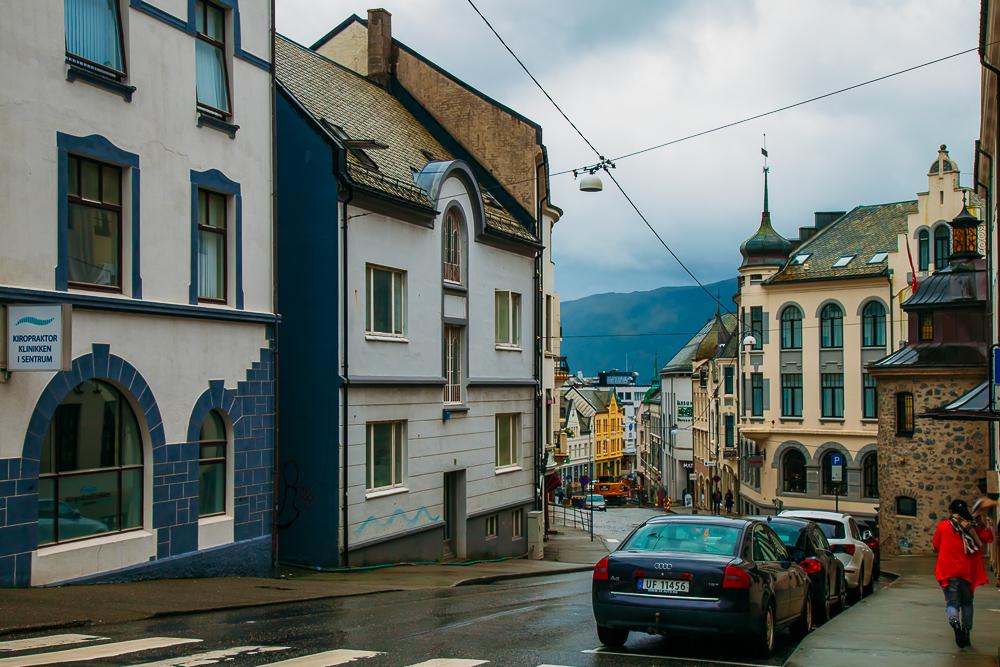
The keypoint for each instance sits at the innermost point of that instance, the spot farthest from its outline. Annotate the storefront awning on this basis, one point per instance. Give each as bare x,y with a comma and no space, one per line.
973,405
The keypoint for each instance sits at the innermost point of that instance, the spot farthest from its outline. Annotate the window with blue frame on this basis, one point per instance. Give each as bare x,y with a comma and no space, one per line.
210,59
730,422
94,225
832,394
831,326
94,38
757,326
791,328
212,255
873,325
791,395
923,250
870,402
729,373
942,247
757,394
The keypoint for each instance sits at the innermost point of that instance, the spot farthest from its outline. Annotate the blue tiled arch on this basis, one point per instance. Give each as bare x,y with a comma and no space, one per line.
100,364
216,397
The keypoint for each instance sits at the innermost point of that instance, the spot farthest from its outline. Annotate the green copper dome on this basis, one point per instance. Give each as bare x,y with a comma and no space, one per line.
767,247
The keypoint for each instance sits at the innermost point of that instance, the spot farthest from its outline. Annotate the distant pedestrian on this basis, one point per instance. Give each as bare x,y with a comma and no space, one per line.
729,501
959,542
559,495
716,502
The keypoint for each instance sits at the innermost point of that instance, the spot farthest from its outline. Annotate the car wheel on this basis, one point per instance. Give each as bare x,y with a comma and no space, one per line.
612,637
861,589
842,597
765,634
824,610
804,624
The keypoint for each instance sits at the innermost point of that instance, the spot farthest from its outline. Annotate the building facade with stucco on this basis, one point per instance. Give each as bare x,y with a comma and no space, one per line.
137,179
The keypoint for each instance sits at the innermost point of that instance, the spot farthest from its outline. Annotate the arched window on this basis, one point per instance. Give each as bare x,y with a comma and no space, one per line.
834,473
906,506
831,326
791,328
212,465
942,247
453,247
923,250
90,474
869,476
873,325
793,471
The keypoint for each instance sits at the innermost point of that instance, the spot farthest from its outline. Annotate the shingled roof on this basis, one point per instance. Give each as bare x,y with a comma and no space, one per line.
863,232
356,110
683,360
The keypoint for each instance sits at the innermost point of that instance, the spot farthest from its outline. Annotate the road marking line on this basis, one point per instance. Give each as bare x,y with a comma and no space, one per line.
212,657
450,662
340,656
94,652
602,651
46,642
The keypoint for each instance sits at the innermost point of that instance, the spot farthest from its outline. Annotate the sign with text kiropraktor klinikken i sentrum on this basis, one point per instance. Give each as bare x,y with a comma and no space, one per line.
38,337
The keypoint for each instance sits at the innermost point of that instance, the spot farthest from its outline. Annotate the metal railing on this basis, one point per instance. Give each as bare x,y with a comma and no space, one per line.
571,517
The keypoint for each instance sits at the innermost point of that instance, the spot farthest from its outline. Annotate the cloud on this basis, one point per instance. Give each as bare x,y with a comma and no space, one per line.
643,72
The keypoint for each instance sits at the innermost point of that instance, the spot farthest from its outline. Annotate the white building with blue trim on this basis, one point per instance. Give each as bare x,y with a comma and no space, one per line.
137,181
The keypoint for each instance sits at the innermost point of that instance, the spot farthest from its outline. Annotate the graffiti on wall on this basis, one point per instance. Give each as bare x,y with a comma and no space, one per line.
421,514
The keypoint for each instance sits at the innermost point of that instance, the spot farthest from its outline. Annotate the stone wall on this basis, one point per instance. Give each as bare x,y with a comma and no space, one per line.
945,459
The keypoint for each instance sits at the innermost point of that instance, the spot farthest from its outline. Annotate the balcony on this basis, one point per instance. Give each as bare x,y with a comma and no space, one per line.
452,394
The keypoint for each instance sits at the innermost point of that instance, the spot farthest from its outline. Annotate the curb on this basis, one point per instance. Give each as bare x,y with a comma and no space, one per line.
492,578
42,627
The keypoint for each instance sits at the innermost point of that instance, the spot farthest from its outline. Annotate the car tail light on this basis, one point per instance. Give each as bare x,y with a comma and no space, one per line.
735,578
848,549
811,566
601,570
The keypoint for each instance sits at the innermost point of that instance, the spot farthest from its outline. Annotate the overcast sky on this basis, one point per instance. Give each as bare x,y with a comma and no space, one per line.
640,72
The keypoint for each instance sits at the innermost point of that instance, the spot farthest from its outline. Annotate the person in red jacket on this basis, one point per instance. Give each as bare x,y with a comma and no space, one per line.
959,542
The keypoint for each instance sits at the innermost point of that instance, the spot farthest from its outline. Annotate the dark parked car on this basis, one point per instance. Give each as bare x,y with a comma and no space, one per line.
807,545
688,574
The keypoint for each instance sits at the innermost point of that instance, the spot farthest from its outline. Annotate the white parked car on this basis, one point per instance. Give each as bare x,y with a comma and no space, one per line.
845,541
595,502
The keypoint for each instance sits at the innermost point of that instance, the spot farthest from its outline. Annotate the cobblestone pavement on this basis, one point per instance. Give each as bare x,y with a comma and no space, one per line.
615,524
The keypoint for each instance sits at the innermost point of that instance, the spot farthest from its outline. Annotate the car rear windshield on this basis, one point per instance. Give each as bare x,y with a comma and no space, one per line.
695,538
789,533
596,499
834,530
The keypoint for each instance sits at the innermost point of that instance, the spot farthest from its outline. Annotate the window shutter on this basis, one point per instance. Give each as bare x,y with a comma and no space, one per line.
767,393
766,331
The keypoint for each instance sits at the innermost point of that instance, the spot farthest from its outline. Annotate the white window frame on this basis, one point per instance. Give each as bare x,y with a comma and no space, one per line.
843,261
397,463
511,338
452,271
453,364
512,449
517,521
492,526
397,275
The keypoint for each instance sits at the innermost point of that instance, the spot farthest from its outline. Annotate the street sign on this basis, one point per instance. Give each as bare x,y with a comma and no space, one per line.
709,464
692,476
837,468
584,480
755,460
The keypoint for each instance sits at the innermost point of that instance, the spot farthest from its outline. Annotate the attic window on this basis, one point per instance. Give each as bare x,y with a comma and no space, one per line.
356,147
843,261
878,258
799,260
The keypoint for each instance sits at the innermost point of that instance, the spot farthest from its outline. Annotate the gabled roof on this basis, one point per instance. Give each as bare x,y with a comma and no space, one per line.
861,233
356,110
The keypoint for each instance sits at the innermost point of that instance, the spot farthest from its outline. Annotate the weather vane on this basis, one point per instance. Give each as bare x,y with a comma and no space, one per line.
763,151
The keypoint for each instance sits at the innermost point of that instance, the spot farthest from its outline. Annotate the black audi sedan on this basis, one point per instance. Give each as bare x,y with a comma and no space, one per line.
807,545
692,574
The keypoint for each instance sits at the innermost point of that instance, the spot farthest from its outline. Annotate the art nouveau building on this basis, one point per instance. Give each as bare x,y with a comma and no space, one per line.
820,309
137,191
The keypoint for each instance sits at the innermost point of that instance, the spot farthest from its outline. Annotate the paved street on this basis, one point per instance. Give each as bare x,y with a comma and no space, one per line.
453,627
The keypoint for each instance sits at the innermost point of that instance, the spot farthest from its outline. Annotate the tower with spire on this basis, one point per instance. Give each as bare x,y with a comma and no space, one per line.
766,247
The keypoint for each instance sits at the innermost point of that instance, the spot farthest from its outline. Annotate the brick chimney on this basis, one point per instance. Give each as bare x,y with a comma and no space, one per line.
380,60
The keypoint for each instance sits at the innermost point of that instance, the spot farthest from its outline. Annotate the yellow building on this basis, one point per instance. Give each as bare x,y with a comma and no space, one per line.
608,428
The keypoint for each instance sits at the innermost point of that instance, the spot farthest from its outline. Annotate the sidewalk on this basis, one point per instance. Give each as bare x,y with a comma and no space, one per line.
904,624
29,609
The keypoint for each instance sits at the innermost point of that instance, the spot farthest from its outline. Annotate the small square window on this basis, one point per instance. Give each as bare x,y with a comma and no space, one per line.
800,259
843,261
878,258
386,312
491,526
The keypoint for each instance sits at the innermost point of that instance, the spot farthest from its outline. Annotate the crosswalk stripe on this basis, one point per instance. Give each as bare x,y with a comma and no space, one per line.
94,652
212,657
340,656
450,662
46,642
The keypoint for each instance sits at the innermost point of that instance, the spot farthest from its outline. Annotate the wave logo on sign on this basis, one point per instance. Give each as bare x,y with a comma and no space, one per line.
34,320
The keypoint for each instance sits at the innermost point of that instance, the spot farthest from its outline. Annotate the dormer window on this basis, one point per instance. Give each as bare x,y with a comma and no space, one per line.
800,259
843,261
878,258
